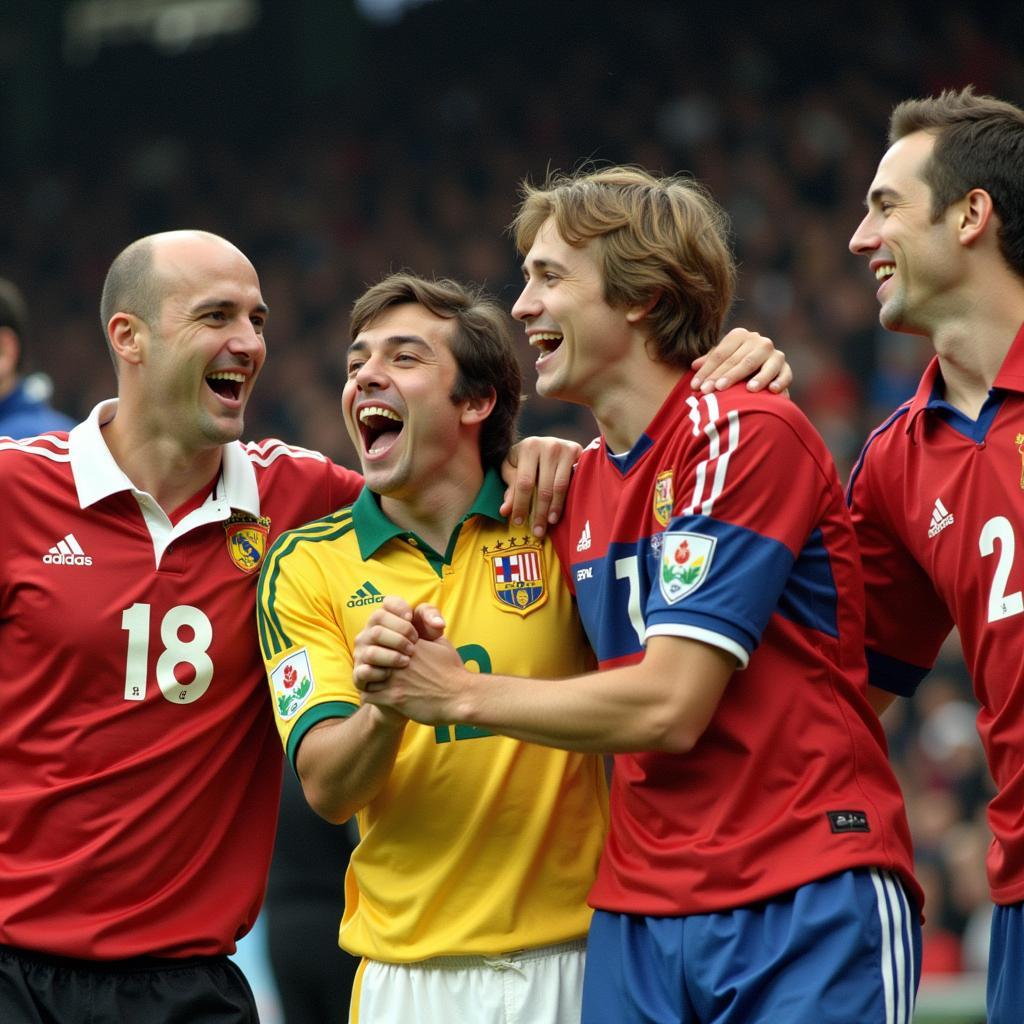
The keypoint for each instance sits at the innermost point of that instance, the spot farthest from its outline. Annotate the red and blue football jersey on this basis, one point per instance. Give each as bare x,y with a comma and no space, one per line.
937,501
725,523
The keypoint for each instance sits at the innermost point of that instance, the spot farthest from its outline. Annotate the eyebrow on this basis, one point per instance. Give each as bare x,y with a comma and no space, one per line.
392,341
543,264
877,194
209,304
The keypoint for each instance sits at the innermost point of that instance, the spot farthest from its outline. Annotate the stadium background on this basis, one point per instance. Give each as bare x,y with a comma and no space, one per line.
335,141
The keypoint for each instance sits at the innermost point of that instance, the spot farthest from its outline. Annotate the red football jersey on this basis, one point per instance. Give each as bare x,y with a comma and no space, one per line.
139,762
725,523
936,499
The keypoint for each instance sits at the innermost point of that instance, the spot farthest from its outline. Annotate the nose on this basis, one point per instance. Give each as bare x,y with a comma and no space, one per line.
247,341
370,374
865,239
526,306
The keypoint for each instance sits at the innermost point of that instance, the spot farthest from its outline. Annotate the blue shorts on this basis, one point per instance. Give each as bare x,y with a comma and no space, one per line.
1006,965
843,949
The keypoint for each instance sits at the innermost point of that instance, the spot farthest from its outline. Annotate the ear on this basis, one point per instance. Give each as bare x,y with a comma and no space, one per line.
476,410
634,314
9,352
975,213
127,334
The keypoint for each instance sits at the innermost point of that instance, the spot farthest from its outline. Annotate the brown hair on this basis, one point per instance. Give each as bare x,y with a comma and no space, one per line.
659,238
481,344
979,143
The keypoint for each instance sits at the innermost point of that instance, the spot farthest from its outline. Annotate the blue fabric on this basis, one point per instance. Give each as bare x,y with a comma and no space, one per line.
1006,965
23,416
846,948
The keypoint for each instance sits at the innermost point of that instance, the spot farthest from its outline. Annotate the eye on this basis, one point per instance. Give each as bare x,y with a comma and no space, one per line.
217,315
259,323
353,366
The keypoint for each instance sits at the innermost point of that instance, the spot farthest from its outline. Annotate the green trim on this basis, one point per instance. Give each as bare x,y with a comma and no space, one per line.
314,716
273,639
374,529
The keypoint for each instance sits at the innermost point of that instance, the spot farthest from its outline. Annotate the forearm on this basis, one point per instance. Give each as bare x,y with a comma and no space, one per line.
343,763
615,711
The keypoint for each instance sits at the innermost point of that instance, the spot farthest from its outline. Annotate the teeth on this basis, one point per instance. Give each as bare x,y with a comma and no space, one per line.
378,410
537,340
884,272
238,378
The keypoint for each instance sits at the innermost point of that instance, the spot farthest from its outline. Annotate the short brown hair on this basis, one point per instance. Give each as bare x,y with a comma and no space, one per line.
662,238
481,344
979,143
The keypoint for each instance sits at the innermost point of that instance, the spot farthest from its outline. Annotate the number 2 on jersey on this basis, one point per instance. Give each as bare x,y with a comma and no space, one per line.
1001,605
192,652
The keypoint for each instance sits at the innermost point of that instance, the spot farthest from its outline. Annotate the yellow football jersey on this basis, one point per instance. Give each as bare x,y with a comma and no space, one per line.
478,843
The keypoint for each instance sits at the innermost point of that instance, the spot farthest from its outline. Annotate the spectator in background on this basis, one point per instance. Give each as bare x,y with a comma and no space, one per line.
24,409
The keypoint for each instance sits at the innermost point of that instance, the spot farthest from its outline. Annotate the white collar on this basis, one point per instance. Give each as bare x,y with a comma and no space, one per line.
97,476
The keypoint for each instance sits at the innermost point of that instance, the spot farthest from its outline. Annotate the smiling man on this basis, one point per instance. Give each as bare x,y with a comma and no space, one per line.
758,864
936,495
466,895
139,765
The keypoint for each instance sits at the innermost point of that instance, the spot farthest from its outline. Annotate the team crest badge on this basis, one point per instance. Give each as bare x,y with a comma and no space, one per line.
292,682
247,540
663,497
685,561
516,572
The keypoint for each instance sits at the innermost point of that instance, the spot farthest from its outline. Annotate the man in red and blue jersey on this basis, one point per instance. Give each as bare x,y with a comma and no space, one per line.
758,866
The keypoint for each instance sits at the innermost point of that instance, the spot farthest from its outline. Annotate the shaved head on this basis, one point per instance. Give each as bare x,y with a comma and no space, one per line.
137,281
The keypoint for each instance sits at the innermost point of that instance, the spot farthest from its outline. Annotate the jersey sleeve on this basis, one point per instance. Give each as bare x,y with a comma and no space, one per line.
345,485
305,650
905,619
749,490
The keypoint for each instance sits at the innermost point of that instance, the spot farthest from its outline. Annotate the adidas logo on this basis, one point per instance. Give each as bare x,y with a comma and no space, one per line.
584,542
67,552
366,594
941,518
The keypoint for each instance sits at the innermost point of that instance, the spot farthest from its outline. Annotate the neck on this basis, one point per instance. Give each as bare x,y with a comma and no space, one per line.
433,510
972,347
624,411
159,464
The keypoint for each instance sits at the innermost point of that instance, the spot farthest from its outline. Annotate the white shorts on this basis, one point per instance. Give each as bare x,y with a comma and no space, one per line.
533,986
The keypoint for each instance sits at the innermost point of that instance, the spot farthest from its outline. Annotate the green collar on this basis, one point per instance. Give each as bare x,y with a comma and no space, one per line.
374,529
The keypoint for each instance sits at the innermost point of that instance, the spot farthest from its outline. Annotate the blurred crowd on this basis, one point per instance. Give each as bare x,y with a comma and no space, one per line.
417,165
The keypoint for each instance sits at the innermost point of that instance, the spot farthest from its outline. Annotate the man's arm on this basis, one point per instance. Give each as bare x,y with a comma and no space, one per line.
343,763
663,702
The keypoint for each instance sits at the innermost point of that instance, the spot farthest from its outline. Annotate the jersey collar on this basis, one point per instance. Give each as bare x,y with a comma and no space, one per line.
374,529
928,395
98,476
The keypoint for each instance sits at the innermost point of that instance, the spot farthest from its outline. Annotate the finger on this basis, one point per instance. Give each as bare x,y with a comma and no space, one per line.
711,363
429,622
366,676
775,374
397,606
378,637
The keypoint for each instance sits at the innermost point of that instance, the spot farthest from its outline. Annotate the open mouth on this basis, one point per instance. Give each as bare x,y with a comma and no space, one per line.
226,383
546,341
379,427
884,272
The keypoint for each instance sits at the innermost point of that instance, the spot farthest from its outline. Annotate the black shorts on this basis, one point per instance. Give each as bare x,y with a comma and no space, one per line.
36,988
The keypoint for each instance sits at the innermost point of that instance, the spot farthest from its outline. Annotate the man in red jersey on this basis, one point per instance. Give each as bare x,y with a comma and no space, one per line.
139,762
758,866
937,492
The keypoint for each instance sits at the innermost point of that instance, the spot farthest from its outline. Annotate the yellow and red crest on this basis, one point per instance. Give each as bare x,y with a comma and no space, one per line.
663,497
247,540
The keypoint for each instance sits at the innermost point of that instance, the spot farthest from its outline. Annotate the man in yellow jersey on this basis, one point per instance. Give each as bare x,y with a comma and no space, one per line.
466,896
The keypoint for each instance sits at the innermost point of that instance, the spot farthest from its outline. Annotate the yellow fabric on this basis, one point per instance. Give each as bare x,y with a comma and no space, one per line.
478,843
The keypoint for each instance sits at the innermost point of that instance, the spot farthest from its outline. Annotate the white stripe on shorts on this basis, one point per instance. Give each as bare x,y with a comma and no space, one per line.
898,967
